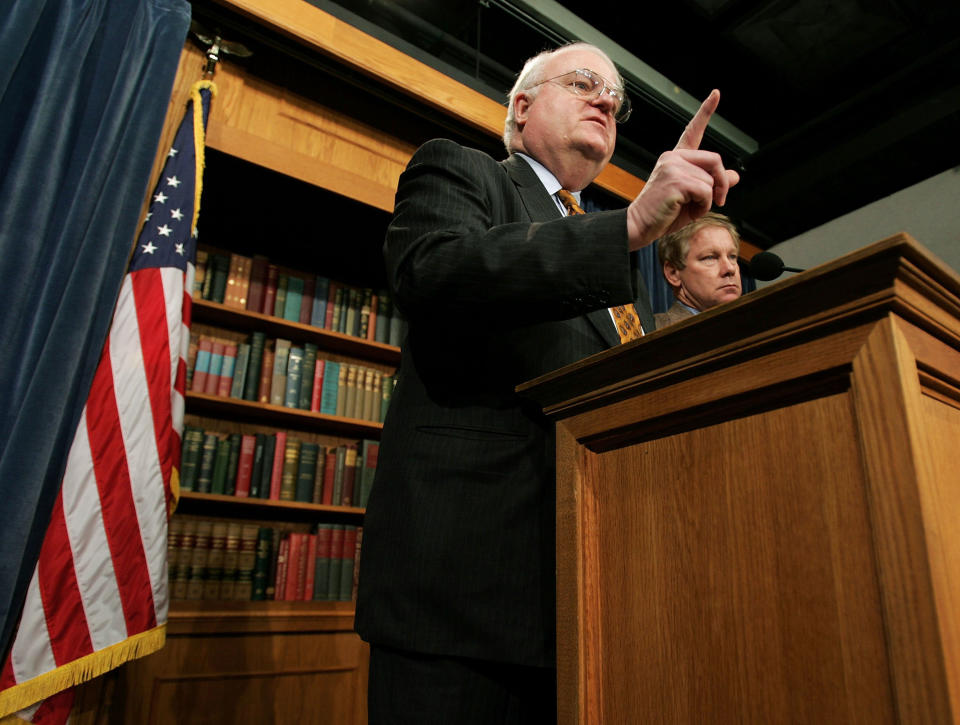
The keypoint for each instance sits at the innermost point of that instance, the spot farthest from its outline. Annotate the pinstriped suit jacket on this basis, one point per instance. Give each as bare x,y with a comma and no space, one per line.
497,288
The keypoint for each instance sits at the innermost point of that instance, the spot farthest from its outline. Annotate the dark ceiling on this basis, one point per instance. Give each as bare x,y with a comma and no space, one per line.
848,100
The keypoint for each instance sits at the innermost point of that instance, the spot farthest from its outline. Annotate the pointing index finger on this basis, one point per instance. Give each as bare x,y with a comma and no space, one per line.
693,134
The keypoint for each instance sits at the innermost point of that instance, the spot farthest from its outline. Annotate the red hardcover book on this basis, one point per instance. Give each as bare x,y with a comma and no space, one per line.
216,365
329,469
296,568
281,578
306,299
225,381
248,444
201,370
331,298
258,281
317,391
310,542
270,289
276,476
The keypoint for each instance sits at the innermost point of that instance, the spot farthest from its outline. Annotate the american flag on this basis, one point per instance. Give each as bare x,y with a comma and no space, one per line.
98,596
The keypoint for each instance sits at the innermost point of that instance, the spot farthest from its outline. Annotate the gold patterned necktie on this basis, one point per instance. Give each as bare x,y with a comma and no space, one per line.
625,316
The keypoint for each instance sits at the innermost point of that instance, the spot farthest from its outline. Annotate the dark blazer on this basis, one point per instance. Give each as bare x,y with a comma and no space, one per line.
497,288
674,313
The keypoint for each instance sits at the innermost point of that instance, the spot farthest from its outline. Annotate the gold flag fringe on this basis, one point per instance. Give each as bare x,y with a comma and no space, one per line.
199,142
30,692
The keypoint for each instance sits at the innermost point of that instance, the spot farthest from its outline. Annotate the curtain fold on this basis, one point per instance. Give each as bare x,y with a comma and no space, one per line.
84,88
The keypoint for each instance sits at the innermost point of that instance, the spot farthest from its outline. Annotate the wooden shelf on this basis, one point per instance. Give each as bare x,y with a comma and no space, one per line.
247,410
338,342
193,502
189,617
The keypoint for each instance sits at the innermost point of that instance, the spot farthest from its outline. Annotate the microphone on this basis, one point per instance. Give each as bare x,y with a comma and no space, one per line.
767,265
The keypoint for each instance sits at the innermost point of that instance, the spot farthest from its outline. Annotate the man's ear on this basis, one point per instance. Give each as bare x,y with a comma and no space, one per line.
671,274
521,107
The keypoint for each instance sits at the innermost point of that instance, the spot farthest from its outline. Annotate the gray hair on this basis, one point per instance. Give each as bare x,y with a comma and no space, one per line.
530,75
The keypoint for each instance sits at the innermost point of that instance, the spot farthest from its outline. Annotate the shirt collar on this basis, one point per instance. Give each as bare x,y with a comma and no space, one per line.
547,178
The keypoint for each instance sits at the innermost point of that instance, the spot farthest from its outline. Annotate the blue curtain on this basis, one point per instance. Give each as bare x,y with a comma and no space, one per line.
84,87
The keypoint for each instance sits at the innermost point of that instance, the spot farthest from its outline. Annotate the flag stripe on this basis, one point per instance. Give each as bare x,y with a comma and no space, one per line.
119,512
61,592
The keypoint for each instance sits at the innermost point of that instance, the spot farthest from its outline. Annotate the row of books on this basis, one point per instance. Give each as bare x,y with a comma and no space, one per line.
255,284
277,466
229,560
279,372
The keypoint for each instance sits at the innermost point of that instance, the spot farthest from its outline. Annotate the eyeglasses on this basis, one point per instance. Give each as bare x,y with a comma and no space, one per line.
589,84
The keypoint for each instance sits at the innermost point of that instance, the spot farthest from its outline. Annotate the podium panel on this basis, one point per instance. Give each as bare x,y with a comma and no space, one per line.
757,508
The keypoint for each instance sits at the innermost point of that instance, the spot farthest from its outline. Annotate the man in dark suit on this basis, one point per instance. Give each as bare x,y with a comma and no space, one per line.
498,286
700,264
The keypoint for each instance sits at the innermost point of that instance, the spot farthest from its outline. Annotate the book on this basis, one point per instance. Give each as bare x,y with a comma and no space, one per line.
339,308
307,370
191,358
240,371
261,567
208,454
198,559
328,395
342,388
266,474
266,374
280,581
347,554
366,305
206,289
369,451
258,281
221,458
233,464
316,495
329,473
386,392
212,380
317,389
291,395
296,567
321,568
174,547
221,270
306,471
256,470
306,299
332,288
291,468
350,316
336,562
248,445
293,299
349,474
278,383
319,316
199,273
384,311
349,391
246,561
231,554
190,457
201,366
371,396
276,474
340,458
225,381
213,573
251,386
270,289
280,300
272,562
238,282
310,551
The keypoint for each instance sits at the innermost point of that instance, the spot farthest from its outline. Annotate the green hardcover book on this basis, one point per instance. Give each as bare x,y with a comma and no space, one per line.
278,384
336,322
221,462
381,331
307,369
257,469
328,396
293,298
240,370
341,458
321,576
251,386
221,271
317,495
269,450
318,316
349,321
262,564
280,301
190,457
336,562
306,471
233,463
291,396
291,461
208,454
246,562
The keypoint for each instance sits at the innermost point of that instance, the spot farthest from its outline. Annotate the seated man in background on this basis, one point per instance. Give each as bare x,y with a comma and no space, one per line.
700,264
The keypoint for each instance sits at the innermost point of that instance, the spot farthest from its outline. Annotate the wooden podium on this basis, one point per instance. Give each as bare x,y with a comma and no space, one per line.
758,509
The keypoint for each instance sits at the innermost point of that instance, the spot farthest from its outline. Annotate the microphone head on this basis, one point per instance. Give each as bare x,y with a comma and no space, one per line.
766,266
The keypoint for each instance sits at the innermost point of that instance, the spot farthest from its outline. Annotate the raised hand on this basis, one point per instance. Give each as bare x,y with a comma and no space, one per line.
683,185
